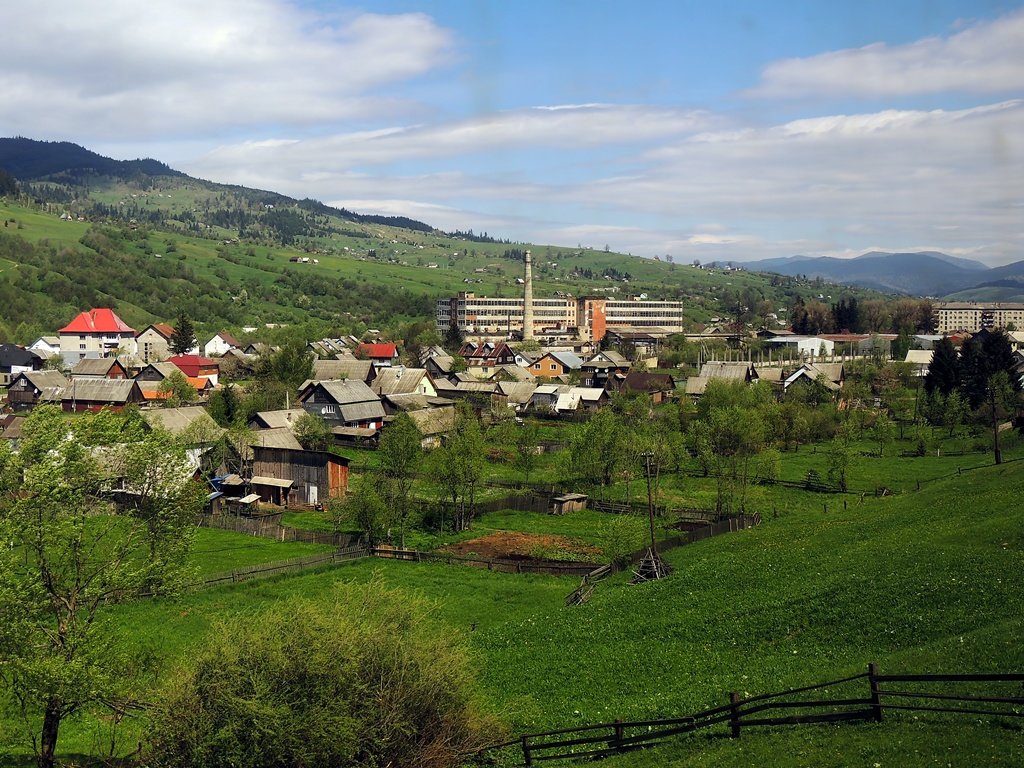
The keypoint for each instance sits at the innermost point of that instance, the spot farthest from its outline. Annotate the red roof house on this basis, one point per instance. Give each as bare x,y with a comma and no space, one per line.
95,333
381,354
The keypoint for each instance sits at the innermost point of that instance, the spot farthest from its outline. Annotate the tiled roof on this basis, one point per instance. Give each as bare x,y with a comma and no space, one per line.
97,321
378,351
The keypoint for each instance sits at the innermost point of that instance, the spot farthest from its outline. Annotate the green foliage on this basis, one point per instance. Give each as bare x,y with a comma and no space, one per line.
289,367
66,555
400,453
621,536
944,370
596,448
179,390
313,433
458,467
362,679
184,337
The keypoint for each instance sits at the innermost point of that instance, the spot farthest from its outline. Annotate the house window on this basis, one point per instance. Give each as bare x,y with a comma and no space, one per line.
554,367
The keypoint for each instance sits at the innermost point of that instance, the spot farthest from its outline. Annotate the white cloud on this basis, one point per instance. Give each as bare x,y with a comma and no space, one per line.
123,68
984,58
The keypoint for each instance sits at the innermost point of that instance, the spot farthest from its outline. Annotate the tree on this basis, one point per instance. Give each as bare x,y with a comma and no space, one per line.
178,390
365,679
597,448
313,433
400,454
839,453
224,405
184,337
944,370
524,442
883,431
64,556
290,366
365,509
458,467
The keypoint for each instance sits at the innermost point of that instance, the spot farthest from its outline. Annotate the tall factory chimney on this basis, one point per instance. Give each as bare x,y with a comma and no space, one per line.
528,302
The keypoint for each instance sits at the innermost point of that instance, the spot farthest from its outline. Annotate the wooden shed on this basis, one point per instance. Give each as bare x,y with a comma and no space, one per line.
287,475
568,502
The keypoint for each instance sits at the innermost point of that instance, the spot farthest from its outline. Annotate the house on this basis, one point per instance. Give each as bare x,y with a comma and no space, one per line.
258,348
31,388
197,366
96,394
919,360
283,419
95,333
514,394
832,375
286,476
346,403
511,373
403,381
383,354
602,369
158,371
187,420
15,360
433,416
439,366
659,386
810,346
46,346
332,370
99,368
219,344
565,400
466,390
11,430
724,371
488,354
551,365
153,343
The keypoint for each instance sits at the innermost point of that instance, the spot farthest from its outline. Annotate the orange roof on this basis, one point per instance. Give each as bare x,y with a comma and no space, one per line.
180,360
199,382
156,394
163,329
97,321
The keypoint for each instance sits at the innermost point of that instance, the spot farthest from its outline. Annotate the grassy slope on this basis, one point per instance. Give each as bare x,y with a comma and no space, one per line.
928,580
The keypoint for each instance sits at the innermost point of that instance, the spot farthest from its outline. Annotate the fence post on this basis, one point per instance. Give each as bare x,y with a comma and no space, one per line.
734,714
618,734
876,699
527,757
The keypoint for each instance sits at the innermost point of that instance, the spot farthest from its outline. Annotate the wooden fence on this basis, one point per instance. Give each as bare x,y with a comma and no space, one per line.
829,702
546,567
270,528
293,565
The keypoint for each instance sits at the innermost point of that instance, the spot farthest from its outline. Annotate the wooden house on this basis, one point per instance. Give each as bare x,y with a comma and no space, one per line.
15,360
658,386
32,388
343,404
97,394
403,381
349,368
551,365
605,369
99,368
286,476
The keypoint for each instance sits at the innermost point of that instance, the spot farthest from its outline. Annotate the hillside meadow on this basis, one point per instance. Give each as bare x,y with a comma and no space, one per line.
925,580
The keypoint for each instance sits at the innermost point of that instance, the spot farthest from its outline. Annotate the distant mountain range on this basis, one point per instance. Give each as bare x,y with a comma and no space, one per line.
927,273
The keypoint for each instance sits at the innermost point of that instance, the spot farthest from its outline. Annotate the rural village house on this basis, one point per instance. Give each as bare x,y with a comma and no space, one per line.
153,343
31,388
287,476
95,333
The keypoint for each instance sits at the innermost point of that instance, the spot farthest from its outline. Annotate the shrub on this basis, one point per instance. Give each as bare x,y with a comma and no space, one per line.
364,680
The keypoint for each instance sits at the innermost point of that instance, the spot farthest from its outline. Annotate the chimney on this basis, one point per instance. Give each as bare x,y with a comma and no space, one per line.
528,302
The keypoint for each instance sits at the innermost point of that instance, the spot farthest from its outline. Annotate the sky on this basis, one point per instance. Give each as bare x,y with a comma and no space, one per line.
696,130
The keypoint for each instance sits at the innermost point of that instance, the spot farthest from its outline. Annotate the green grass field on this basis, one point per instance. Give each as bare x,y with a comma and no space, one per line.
926,580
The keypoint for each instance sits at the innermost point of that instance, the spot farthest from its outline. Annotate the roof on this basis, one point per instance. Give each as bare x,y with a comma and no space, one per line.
367,411
178,420
190,360
13,429
41,380
433,421
162,328
93,366
326,370
834,372
226,337
97,321
516,372
609,356
378,351
280,437
165,368
567,359
273,481
398,381
353,431
416,402
279,419
199,382
100,390
12,354
517,391
251,498
644,381
346,391
810,372
724,370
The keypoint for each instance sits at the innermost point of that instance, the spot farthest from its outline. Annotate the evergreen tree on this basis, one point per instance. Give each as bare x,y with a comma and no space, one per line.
944,370
184,337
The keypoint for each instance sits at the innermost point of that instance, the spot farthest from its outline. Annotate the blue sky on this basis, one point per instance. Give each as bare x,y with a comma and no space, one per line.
701,130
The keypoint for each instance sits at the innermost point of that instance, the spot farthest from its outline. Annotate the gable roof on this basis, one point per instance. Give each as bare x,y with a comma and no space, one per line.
12,354
165,368
433,421
190,360
178,420
100,390
644,381
516,391
379,351
398,381
327,370
227,338
567,359
162,328
43,379
94,366
279,419
97,321
416,402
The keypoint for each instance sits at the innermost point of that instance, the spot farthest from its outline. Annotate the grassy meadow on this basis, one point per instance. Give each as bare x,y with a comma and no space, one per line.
925,580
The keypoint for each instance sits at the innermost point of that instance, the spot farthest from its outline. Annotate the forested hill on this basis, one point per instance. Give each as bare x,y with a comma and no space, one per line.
60,171
28,159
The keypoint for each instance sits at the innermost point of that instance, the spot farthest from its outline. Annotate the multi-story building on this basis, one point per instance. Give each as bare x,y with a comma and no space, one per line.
587,317
971,317
95,333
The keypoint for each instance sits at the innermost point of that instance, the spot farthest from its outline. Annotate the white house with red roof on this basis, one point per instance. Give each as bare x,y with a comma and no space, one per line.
95,333
220,344
383,355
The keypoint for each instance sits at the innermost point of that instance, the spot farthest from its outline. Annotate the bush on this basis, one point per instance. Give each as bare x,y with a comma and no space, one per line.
364,680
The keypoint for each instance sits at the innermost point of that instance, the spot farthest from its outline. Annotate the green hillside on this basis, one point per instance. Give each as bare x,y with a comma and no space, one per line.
151,245
926,580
